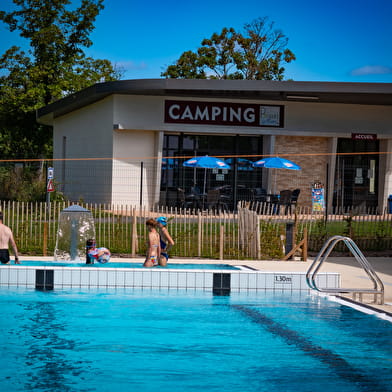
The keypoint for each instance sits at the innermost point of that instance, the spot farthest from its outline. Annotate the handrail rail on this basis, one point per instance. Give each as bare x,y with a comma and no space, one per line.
378,287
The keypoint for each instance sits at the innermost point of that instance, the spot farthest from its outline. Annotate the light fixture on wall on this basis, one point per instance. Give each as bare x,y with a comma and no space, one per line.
303,97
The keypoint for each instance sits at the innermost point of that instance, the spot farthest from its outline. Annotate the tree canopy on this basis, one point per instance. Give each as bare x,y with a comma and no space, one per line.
258,53
54,66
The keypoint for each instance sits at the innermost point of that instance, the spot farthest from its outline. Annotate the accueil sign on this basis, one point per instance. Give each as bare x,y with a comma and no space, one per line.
364,136
223,113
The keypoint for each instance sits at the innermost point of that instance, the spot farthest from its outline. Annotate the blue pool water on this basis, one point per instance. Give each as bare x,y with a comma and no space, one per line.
131,340
126,265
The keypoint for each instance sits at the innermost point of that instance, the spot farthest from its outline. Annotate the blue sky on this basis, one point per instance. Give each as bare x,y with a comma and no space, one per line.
342,41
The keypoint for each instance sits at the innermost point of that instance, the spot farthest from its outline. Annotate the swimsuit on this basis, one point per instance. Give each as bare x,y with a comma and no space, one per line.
4,256
154,260
93,253
96,254
163,247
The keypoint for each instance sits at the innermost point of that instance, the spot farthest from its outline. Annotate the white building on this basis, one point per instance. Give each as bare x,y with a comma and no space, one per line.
109,139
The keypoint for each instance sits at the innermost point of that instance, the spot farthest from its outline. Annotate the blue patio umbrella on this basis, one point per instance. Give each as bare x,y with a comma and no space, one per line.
276,163
242,163
206,162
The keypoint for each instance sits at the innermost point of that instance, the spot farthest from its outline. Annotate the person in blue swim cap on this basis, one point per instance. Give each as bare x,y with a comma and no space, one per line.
166,240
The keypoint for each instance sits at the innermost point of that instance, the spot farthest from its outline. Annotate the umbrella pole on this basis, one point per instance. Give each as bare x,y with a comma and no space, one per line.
204,188
274,172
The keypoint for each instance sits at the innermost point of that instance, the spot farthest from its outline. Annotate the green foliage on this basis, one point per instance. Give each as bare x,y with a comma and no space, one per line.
55,66
270,243
25,183
256,54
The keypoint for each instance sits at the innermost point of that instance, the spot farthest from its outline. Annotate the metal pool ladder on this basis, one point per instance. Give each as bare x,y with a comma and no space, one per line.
378,288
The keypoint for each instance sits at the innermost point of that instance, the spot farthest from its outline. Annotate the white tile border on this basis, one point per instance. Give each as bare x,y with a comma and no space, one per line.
241,280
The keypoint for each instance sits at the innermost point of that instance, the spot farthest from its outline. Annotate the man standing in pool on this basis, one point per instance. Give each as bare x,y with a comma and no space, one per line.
6,238
166,240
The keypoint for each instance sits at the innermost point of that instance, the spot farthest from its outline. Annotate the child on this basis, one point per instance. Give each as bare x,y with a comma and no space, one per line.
166,240
153,245
102,255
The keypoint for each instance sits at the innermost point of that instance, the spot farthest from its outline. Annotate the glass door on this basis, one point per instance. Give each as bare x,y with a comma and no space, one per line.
356,179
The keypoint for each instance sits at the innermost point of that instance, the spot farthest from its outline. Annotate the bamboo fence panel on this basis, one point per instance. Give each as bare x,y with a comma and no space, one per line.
197,233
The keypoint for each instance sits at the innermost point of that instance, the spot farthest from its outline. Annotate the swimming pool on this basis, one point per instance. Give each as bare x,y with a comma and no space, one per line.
166,340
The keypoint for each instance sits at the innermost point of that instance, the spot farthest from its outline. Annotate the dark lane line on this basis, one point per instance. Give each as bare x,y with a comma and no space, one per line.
342,368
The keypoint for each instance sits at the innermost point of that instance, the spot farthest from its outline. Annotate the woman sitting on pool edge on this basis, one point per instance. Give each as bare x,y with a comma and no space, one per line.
165,239
102,255
153,244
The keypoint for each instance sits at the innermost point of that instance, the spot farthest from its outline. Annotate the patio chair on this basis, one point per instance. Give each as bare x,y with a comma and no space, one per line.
182,201
260,194
294,196
216,200
285,200
213,196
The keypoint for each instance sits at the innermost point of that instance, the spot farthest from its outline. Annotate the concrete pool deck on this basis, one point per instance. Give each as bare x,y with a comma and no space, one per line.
351,273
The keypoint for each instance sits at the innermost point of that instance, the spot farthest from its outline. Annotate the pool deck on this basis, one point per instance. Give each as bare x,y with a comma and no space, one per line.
351,273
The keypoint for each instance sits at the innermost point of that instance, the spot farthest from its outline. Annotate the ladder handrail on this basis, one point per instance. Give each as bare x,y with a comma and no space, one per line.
378,287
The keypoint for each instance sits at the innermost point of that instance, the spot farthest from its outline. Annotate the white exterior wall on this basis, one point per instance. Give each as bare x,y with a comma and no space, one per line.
315,119
338,120
135,153
385,189
137,147
88,133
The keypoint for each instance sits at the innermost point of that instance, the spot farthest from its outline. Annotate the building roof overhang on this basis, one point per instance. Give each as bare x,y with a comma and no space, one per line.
316,92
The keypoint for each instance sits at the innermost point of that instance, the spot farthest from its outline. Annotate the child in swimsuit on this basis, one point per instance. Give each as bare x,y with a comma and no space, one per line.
102,255
166,240
153,245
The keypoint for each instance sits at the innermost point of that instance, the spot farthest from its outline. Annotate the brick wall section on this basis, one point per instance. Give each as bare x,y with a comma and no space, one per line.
313,166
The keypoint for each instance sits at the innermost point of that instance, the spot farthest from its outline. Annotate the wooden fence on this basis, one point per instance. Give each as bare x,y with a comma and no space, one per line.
206,234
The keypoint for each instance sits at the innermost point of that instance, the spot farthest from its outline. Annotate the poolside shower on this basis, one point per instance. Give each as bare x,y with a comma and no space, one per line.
76,226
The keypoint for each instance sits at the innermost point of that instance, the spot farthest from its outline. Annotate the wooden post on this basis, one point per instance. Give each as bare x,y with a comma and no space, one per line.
258,247
45,245
305,247
221,241
303,244
199,234
134,234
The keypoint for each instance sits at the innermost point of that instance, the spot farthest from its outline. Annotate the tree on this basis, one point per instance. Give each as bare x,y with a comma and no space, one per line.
257,53
54,66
